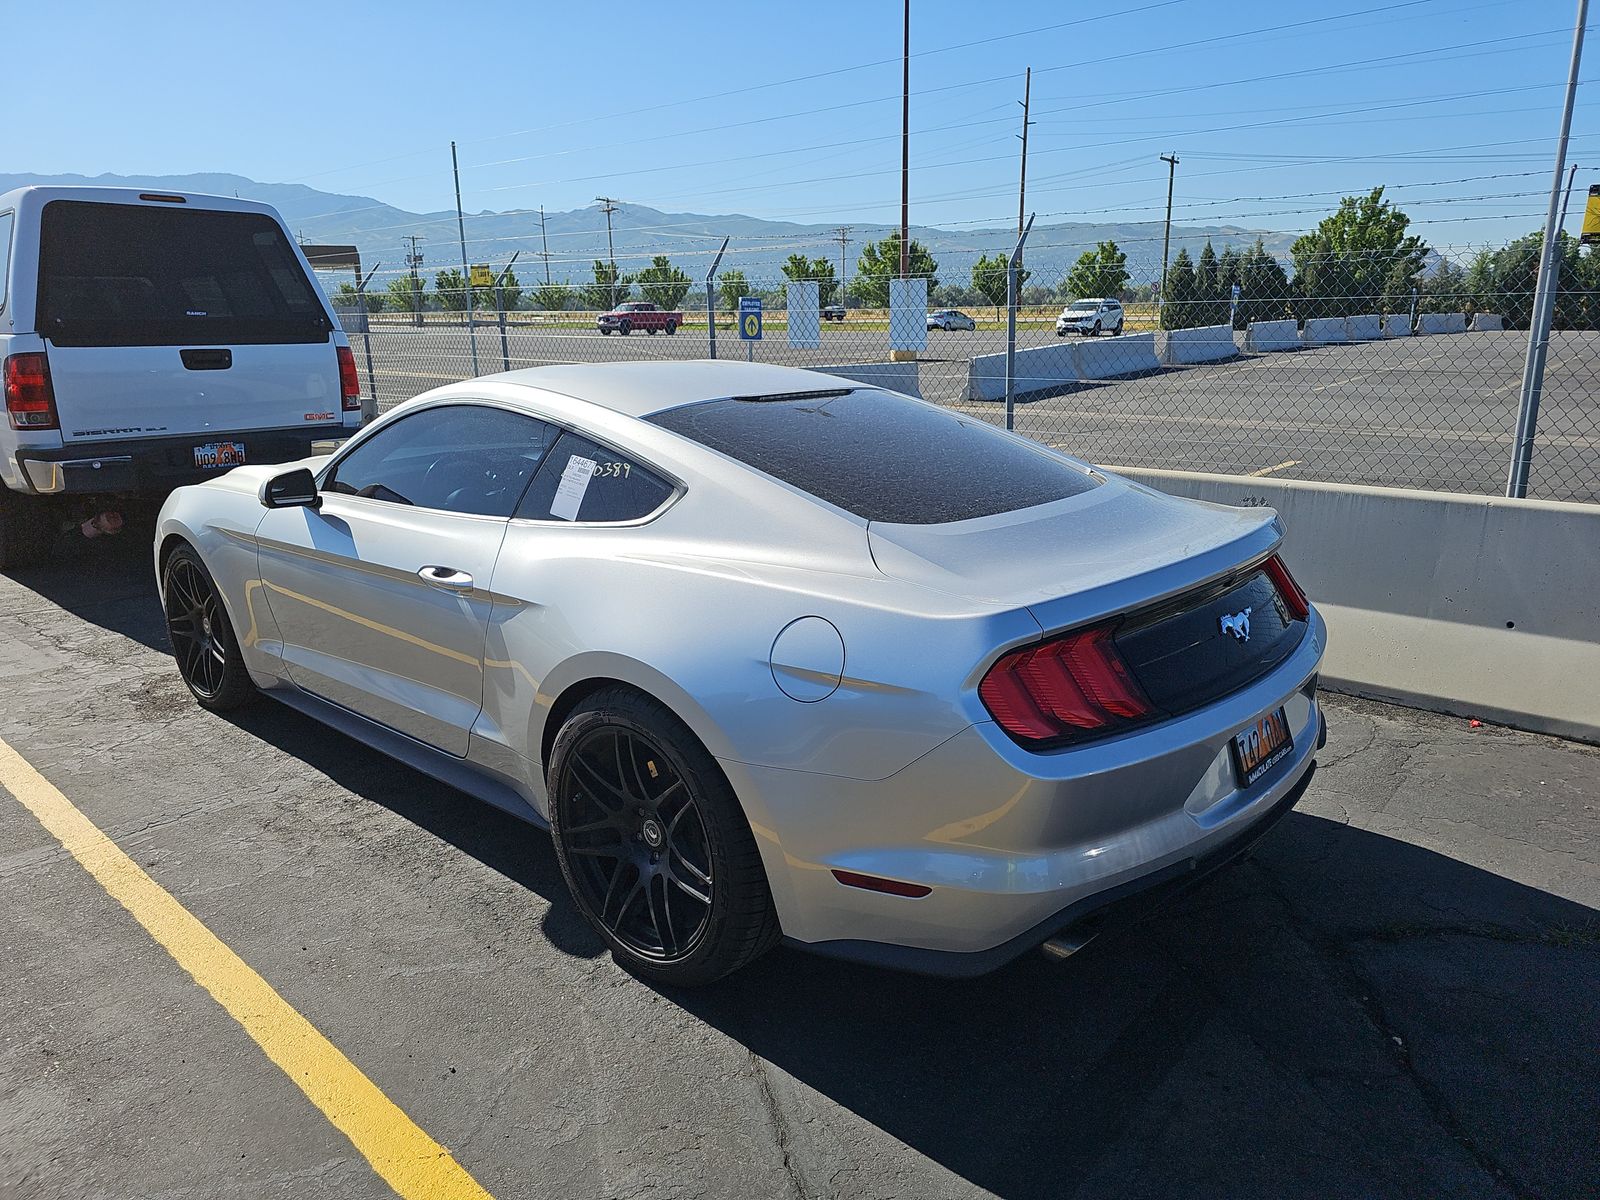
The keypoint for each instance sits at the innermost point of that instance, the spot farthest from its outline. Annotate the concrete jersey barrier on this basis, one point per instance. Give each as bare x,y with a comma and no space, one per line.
1266,336
1442,323
1324,331
1209,343
1488,323
1037,369
1472,605
1397,325
1364,328
895,377
1109,358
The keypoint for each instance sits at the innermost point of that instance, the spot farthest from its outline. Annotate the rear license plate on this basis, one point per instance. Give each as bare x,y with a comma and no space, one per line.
1258,748
219,454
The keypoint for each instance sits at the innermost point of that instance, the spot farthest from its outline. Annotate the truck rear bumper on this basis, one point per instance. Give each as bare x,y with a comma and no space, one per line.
157,465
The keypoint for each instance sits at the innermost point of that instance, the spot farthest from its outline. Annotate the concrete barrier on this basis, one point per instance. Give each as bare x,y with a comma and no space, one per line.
1471,605
1038,369
1364,328
896,377
1324,331
1265,336
1108,358
1209,343
1397,325
1441,323
1487,323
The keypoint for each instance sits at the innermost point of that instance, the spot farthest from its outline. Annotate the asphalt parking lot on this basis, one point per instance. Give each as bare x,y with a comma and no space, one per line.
1435,412
1395,996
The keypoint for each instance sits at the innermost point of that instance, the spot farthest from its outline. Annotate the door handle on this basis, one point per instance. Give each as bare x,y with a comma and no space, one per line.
446,577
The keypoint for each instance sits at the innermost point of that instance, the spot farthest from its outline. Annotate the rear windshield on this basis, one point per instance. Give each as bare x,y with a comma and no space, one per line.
880,456
128,275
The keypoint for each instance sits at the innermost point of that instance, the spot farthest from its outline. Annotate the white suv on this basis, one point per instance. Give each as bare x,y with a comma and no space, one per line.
1090,316
151,340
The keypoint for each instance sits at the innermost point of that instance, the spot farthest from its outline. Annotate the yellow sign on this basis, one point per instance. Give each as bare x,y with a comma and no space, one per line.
481,275
752,325
1591,218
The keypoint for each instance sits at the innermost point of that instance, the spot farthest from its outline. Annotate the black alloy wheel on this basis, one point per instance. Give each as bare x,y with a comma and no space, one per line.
654,844
202,640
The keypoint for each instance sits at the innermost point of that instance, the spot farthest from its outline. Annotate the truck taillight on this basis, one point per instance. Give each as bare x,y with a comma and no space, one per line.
1294,596
349,381
1064,689
30,400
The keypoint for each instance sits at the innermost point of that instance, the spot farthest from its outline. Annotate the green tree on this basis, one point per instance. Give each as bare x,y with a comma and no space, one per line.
663,284
1356,258
485,300
1102,271
451,289
1178,301
989,279
1445,291
799,268
732,286
609,289
347,296
1263,288
880,262
406,294
551,297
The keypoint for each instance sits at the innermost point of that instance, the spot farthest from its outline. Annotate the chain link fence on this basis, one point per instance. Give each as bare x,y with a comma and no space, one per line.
1392,369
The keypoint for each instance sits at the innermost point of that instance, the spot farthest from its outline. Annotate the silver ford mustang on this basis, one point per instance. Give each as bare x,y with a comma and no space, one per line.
772,655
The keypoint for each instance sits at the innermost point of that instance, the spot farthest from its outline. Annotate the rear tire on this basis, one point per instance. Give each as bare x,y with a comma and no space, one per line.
203,643
672,328
653,843
27,529
624,329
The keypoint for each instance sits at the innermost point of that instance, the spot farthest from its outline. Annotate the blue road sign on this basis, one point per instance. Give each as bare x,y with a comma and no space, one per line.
750,318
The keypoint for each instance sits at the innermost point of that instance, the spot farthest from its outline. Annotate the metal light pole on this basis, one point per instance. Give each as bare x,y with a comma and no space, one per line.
1544,295
466,271
905,147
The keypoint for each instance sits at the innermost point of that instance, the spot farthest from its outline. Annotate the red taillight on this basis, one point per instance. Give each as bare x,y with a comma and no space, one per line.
1063,689
1294,596
349,381
30,400
876,883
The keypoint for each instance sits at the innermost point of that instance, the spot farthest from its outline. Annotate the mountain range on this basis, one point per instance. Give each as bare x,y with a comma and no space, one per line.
575,238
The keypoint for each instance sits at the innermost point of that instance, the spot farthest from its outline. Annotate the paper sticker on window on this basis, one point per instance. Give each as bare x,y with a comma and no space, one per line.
574,485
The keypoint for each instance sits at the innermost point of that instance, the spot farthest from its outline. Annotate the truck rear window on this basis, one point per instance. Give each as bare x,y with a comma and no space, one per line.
881,456
128,275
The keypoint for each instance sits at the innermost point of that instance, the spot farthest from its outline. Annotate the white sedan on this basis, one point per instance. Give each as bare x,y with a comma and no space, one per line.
950,319
759,680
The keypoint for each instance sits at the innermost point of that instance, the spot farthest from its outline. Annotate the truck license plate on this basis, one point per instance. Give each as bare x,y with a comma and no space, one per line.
219,454
1263,744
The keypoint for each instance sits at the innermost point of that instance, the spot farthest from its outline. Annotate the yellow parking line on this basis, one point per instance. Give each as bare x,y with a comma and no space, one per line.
1293,462
410,1161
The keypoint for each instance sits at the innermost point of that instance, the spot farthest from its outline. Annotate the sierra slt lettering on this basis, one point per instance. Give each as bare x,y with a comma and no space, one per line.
108,432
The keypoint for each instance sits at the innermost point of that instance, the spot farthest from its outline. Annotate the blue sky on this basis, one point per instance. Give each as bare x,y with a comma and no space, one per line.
1273,108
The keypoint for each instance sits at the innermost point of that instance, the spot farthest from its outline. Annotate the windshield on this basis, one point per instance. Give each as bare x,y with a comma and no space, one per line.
1083,306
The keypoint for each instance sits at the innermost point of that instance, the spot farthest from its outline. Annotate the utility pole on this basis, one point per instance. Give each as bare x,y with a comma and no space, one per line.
414,260
466,271
1544,298
842,236
609,206
1022,183
545,242
1166,238
905,147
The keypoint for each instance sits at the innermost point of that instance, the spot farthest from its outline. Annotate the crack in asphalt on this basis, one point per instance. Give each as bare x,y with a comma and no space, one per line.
780,1127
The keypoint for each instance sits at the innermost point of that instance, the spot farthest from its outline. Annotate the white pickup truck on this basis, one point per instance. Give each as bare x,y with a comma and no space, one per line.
151,340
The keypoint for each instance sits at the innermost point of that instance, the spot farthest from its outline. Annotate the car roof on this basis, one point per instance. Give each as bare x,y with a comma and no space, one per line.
642,389
41,194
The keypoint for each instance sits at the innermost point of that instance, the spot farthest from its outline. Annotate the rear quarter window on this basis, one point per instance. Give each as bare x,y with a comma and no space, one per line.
583,481
135,275
7,222
880,456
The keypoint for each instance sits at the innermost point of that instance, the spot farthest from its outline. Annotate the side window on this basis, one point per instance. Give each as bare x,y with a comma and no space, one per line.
462,458
6,222
583,481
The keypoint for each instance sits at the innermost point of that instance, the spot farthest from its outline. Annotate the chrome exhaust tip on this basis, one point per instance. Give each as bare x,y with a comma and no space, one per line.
1065,944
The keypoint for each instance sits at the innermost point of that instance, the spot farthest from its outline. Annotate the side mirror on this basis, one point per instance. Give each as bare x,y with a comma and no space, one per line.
292,489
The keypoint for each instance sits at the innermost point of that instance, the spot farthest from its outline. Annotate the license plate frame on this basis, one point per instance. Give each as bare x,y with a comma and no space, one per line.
1260,746
219,456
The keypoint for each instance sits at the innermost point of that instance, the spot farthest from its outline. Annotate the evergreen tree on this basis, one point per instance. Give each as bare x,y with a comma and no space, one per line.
1178,302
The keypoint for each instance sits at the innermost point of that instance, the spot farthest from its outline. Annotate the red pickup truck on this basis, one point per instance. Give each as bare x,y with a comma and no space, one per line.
625,318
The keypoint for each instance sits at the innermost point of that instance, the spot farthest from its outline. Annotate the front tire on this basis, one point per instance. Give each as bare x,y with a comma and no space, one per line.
202,638
624,329
653,843
672,328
